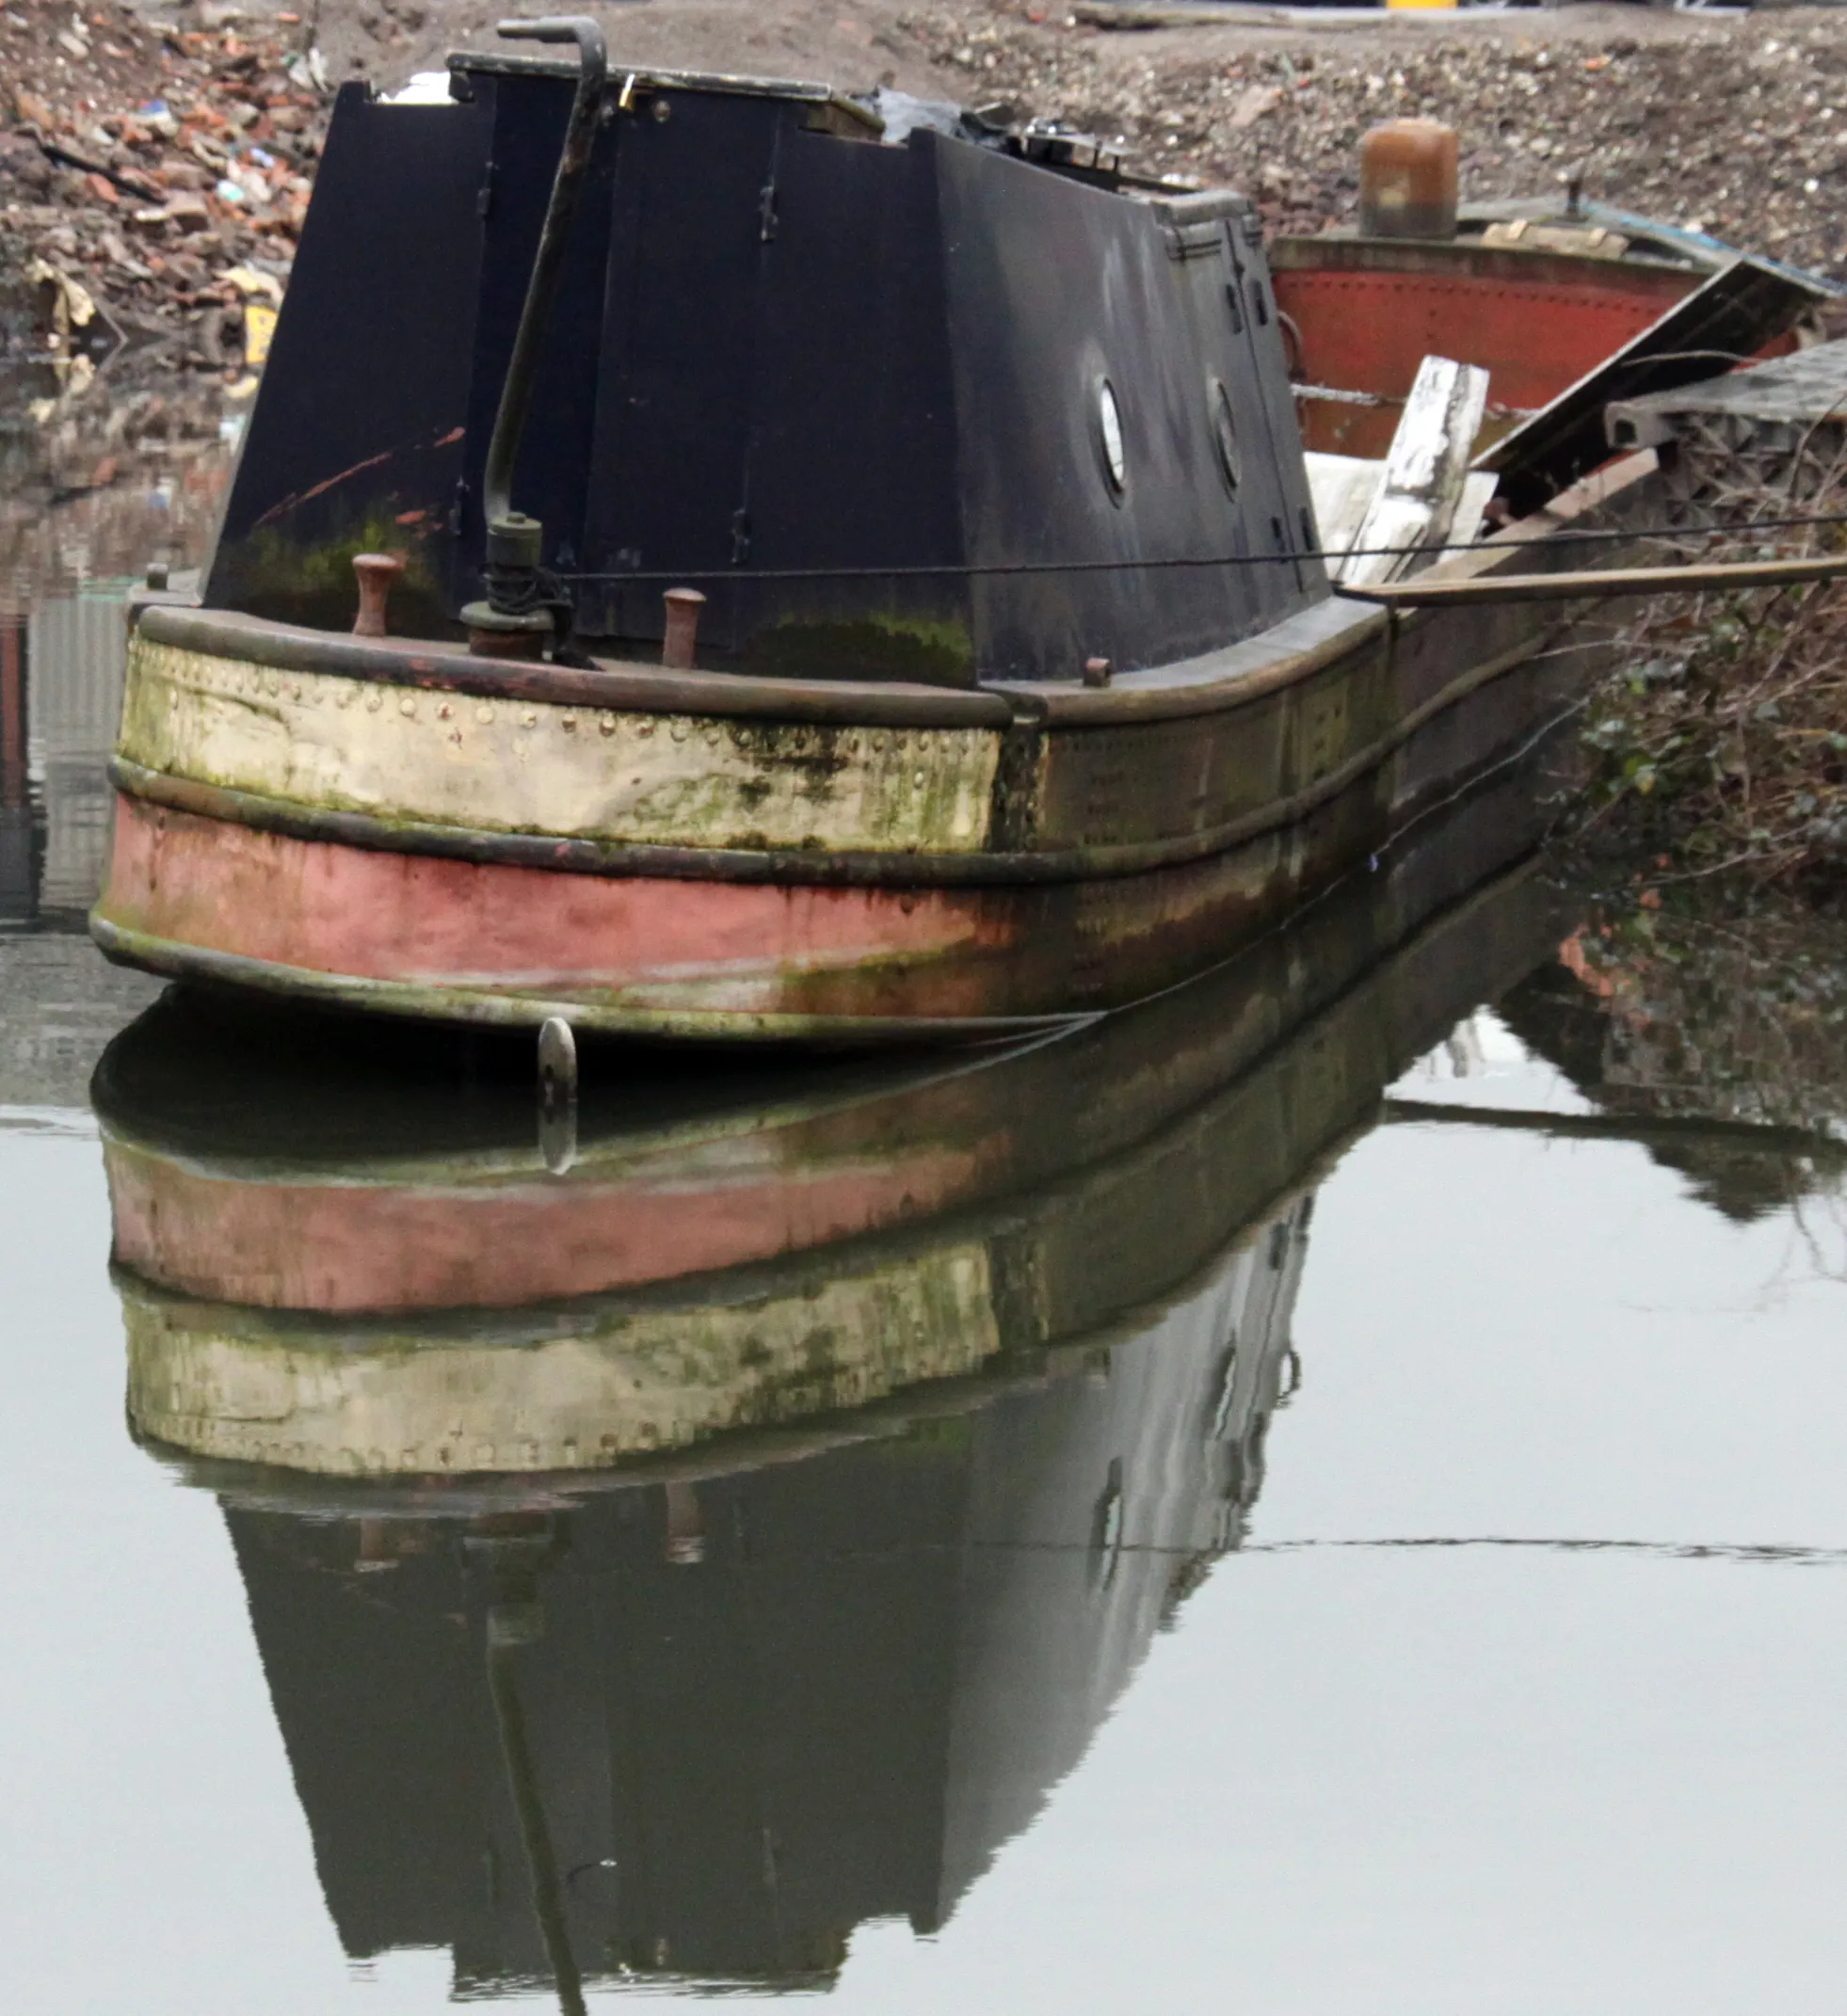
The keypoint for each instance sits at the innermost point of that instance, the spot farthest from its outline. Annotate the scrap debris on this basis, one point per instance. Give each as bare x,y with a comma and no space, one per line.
1739,130
159,171
144,156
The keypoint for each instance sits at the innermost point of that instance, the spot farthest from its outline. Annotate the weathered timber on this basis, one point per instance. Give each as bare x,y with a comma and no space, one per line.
1421,483
1603,583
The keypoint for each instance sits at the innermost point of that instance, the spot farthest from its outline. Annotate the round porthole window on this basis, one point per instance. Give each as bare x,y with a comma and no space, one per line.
1224,431
1109,439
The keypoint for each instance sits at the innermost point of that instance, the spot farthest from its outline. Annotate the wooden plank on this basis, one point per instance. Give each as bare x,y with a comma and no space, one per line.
1422,482
1600,583
1342,488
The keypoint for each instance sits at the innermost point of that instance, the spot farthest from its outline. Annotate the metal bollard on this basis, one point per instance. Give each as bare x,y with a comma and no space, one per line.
377,573
683,627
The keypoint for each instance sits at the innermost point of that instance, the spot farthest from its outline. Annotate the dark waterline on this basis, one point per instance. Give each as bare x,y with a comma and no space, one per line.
1220,1537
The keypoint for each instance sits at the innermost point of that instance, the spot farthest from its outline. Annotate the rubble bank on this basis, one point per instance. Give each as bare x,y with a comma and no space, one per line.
1739,129
162,163
154,177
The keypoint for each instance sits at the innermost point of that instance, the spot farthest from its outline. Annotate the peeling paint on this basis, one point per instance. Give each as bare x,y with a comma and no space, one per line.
329,742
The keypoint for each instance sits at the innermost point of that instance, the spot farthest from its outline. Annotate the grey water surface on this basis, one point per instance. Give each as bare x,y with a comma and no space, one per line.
1427,1594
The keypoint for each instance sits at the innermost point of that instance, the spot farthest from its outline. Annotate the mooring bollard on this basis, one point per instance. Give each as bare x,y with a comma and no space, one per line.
377,573
683,627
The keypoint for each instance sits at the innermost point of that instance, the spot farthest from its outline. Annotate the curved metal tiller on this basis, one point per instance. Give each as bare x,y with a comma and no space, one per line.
517,594
548,264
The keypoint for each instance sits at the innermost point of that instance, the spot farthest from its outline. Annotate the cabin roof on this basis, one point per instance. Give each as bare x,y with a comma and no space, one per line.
640,77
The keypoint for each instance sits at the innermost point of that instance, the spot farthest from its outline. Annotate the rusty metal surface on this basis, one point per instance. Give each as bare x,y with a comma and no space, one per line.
1154,770
424,937
681,637
706,803
377,574
1369,312
760,1166
1096,883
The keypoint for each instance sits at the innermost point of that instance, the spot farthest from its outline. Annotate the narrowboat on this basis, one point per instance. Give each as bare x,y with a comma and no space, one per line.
830,569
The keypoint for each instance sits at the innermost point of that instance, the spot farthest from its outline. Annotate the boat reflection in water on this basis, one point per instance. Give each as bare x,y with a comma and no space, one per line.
669,1552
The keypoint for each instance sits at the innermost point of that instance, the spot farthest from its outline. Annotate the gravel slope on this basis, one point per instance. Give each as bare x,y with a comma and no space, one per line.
1739,126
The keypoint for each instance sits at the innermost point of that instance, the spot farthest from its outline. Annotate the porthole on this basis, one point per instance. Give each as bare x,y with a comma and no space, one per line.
1111,454
1224,431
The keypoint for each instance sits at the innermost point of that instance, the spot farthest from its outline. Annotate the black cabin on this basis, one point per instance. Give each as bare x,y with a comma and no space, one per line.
905,395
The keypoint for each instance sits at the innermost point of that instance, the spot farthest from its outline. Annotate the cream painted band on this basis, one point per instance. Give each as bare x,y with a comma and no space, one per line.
330,742
210,1380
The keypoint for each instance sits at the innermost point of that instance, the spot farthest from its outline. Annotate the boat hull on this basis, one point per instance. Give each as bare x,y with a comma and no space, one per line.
213,899
695,856
359,1304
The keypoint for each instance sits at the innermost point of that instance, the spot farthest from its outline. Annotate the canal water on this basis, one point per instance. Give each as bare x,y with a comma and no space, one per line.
1325,1494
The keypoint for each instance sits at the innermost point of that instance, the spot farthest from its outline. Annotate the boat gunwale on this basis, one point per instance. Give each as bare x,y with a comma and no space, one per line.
620,685
1213,682
1218,681
1322,254
814,866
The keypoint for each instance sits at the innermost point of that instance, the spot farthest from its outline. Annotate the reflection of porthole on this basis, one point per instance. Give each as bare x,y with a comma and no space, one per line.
1106,1529
1224,431
1109,439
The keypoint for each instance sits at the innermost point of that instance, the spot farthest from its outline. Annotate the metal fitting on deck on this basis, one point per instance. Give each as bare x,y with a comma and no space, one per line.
378,574
683,627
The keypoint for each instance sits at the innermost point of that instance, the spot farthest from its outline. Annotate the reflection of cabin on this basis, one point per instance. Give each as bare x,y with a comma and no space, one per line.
765,1707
